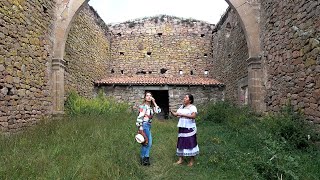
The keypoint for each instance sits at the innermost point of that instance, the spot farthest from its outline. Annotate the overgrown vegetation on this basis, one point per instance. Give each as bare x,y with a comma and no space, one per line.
131,24
101,105
96,141
186,21
280,146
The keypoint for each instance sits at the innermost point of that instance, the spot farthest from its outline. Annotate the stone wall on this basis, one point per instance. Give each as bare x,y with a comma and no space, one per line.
134,94
290,32
87,52
201,95
230,52
172,44
25,62
291,48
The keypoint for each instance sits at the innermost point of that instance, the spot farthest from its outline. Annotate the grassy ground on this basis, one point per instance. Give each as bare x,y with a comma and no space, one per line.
103,147
97,148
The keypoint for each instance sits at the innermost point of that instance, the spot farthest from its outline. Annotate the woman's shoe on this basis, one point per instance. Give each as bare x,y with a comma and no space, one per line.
146,161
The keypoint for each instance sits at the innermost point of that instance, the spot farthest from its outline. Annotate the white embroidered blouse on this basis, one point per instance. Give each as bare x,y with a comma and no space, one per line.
187,122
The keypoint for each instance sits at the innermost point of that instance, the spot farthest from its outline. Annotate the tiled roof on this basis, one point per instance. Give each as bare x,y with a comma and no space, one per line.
193,81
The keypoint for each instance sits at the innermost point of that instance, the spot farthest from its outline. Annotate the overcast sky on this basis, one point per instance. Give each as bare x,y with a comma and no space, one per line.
115,11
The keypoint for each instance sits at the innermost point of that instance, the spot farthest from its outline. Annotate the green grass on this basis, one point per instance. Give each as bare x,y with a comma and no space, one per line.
103,147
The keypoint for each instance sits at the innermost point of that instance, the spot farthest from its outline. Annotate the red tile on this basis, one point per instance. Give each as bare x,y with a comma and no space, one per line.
158,81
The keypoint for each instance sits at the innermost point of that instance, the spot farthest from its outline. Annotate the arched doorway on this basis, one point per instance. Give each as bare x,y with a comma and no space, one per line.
248,11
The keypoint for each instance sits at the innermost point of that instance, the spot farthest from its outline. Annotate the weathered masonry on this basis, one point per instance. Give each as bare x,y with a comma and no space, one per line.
166,55
248,12
161,45
266,53
168,92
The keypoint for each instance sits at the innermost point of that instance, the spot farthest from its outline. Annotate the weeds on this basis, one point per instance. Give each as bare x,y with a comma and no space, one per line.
96,141
275,141
79,106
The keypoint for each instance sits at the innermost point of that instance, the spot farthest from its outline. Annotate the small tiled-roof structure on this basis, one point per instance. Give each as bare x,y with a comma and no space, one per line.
191,81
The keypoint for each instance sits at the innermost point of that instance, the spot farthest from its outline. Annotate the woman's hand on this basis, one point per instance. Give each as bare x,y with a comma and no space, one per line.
175,114
153,100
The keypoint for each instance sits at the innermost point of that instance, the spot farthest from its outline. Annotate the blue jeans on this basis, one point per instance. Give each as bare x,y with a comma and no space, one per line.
145,150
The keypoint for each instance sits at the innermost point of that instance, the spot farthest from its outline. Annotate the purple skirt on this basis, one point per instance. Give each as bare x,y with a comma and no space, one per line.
187,138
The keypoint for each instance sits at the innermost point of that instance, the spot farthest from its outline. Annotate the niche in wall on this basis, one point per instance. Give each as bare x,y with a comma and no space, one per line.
163,70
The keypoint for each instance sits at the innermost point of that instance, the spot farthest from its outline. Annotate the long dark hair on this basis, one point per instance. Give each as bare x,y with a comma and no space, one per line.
190,98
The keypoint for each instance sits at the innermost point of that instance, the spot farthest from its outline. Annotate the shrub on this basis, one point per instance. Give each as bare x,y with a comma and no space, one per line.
215,112
156,20
131,24
225,112
101,105
162,18
270,170
269,147
291,127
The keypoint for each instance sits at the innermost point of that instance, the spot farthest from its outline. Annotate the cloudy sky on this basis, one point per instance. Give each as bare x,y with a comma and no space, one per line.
114,11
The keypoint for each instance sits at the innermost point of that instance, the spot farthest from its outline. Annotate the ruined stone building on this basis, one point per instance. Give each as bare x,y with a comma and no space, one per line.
166,55
261,53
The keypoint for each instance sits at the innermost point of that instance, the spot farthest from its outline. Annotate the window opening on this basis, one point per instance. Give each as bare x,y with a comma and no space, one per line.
228,30
163,70
141,72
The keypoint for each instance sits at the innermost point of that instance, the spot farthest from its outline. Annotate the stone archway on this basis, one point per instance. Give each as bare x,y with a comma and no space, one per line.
248,11
66,10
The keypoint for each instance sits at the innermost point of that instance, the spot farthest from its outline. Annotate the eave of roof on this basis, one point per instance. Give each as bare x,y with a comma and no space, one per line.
137,80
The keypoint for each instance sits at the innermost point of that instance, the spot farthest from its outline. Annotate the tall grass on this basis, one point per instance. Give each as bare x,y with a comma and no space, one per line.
269,147
99,144
101,105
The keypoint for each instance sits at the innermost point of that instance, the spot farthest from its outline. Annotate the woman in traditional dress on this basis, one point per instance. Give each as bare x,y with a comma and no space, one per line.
187,145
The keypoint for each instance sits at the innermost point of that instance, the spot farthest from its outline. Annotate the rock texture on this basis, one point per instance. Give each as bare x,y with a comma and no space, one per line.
87,52
291,48
161,46
230,52
25,62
